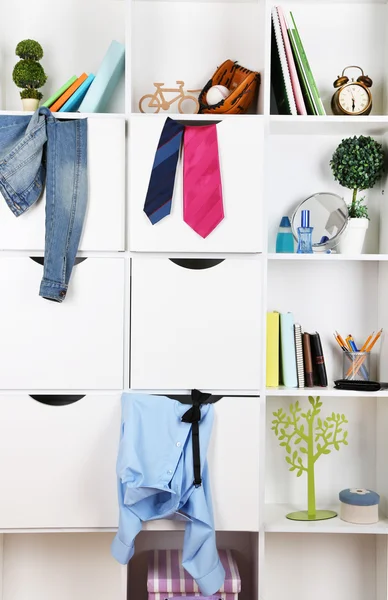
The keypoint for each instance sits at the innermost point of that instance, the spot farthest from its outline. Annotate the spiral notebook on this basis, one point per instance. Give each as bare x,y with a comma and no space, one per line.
299,354
296,88
280,75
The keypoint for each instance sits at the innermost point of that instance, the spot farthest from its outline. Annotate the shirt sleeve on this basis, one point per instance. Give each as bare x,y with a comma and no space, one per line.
130,525
200,556
123,546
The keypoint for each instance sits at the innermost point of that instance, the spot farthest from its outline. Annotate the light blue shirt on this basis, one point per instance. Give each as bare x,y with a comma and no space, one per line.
155,481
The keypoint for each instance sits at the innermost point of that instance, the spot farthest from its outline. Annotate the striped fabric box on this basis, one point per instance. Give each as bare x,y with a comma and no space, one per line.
168,579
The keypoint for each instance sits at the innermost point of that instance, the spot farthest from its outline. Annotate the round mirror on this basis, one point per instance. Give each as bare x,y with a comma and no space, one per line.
328,217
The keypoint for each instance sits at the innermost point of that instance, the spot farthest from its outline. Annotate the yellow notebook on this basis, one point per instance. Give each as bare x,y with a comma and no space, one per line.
272,375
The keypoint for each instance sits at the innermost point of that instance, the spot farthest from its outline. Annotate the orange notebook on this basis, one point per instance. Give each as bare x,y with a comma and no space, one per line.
69,92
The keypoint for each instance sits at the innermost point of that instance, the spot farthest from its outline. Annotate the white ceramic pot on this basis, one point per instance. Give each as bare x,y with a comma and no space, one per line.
30,104
352,240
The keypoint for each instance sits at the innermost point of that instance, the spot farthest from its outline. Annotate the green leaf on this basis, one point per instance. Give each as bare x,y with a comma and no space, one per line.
327,451
292,469
345,442
288,449
345,434
283,444
294,455
303,450
288,460
301,428
319,447
328,436
336,445
297,441
299,473
319,422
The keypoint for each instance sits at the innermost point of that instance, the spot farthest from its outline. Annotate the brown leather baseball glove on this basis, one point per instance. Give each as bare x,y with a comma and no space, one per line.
243,84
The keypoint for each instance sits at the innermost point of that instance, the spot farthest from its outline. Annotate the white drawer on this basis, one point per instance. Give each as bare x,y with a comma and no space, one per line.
196,323
76,344
241,156
57,462
104,221
234,464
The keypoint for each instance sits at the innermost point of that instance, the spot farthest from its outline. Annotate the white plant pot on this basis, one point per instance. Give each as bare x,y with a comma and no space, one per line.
30,104
352,240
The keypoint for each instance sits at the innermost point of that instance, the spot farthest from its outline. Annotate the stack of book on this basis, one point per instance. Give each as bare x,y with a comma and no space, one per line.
293,87
90,93
294,358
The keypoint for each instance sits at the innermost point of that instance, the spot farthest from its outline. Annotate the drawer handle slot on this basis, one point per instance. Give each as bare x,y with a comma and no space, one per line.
197,263
57,399
40,260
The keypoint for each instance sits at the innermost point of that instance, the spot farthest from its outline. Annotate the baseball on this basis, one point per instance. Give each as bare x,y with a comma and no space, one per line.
216,94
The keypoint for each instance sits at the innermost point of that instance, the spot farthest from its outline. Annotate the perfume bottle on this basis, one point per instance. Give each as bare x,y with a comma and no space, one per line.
284,238
305,232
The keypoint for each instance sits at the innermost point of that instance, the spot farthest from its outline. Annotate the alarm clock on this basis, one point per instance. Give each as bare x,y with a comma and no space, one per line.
352,97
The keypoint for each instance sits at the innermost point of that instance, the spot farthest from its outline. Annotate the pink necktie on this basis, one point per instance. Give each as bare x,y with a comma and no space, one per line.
202,189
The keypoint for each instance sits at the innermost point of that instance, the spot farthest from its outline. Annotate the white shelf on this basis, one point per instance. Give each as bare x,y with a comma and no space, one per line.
327,125
276,522
320,391
164,525
328,257
193,117
67,115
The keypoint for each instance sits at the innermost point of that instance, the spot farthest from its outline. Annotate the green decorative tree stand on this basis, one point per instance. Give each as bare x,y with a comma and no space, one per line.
299,441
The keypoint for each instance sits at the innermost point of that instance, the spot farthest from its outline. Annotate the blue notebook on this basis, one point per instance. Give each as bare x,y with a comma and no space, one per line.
287,350
106,79
73,103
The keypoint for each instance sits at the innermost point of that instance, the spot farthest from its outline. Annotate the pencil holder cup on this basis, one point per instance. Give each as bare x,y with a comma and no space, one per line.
356,366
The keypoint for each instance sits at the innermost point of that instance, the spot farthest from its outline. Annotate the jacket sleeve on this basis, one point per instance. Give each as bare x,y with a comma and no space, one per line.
200,556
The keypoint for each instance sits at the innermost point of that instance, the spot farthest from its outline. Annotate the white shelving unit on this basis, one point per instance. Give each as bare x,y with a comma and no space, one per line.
270,163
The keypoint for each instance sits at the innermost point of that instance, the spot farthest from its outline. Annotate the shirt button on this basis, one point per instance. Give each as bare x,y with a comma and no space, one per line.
178,444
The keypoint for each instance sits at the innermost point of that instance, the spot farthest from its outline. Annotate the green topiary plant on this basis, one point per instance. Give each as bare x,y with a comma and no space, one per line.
29,49
357,164
28,73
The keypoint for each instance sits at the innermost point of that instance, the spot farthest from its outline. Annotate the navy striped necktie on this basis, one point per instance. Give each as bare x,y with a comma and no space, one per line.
161,187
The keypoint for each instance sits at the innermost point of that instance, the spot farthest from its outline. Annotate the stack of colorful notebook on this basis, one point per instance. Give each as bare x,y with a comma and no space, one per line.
90,93
293,89
294,358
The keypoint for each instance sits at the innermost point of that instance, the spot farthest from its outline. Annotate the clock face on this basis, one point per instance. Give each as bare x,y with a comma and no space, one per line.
354,98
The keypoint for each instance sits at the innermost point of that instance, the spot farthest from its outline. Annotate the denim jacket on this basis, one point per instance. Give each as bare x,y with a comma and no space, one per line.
40,150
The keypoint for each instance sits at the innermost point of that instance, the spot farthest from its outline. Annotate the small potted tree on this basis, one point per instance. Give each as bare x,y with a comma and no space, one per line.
29,74
357,164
